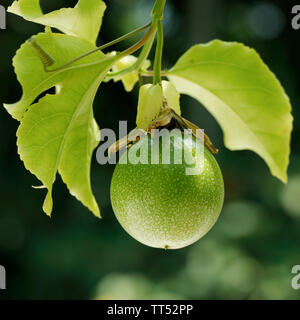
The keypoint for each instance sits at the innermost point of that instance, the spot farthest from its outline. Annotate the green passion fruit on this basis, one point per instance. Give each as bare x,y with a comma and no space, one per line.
161,204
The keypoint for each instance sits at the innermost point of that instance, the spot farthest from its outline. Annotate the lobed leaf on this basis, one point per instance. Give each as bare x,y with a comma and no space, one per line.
58,133
83,21
244,96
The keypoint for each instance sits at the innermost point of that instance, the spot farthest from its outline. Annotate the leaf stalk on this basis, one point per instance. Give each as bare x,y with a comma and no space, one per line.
48,60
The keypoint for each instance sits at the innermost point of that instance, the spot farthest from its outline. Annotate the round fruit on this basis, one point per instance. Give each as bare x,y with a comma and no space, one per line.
164,205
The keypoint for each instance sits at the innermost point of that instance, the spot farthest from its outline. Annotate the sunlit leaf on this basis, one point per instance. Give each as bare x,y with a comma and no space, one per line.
59,133
245,97
83,21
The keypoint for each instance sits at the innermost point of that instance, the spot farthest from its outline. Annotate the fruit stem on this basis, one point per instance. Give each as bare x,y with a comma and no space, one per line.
158,54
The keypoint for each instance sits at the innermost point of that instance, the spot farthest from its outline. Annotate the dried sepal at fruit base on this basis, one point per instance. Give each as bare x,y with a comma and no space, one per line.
168,115
167,118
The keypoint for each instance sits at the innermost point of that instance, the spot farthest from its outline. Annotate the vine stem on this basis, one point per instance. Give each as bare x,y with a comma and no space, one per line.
156,16
158,10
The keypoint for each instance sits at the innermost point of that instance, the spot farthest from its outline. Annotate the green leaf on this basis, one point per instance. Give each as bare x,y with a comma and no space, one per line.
83,21
244,96
59,133
151,99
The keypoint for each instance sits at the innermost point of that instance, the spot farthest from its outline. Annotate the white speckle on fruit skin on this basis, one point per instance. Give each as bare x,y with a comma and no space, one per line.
159,205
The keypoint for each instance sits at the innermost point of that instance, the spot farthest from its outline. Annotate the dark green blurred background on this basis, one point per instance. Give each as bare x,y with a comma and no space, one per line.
256,241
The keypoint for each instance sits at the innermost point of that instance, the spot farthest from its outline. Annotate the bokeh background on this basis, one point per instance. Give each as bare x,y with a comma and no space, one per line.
256,241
